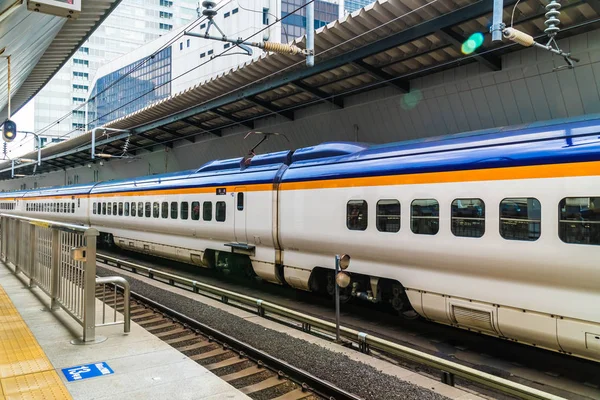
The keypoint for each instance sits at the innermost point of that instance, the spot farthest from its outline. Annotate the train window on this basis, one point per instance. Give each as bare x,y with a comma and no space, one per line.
78,203
425,217
221,211
468,218
103,208
174,207
207,211
120,208
115,208
140,209
109,207
133,209
357,215
195,210
126,209
148,209
155,209
73,208
94,208
579,220
240,201
165,209
184,209
61,208
520,218
388,215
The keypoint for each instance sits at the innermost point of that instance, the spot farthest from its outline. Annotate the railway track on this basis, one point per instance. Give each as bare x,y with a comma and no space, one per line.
158,273
254,373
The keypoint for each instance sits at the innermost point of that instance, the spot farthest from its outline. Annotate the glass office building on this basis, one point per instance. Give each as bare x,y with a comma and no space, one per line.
132,24
352,5
294,25
130,88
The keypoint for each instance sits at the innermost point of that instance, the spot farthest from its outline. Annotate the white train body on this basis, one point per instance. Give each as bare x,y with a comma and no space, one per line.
497,231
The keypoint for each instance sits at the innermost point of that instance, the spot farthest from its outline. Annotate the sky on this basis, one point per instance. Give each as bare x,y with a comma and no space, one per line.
24,121
24,118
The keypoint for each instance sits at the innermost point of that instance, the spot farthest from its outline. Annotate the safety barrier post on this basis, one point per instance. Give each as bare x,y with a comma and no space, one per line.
89,290
54,270
2,243
32,253
17,241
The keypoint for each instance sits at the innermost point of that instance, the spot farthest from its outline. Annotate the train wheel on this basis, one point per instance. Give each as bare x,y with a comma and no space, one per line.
345,295
401,304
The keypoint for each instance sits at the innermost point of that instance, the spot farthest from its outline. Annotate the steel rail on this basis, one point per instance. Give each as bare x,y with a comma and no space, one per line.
364,339
308,381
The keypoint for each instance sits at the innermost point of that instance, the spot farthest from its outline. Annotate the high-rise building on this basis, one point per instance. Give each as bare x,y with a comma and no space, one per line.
352,5
132,24
107,69
136,80
294,25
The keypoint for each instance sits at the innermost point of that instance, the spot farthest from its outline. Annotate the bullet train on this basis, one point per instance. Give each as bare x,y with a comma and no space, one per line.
494,231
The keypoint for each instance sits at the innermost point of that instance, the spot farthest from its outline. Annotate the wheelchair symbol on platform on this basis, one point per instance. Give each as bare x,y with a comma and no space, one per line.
81,372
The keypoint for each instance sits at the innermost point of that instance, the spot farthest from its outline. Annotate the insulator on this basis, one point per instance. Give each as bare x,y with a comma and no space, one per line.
518,37
208,9
126,145
282,48
552,20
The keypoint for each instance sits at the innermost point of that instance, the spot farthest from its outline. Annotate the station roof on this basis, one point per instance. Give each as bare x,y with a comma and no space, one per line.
388,43
39,45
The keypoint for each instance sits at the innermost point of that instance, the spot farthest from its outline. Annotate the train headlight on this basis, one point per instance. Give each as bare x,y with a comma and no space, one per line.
344,261
342,279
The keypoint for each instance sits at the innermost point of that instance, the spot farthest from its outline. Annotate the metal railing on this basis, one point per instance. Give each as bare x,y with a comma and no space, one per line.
449,369
60,259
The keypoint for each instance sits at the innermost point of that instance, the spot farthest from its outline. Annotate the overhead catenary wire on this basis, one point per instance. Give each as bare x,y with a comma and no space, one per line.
223,53
141,63
191,26
355,90
276,72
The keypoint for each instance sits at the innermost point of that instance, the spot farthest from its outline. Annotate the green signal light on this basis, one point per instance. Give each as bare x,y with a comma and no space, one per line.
472,43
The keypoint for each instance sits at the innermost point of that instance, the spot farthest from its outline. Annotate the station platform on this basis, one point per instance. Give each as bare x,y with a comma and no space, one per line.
38,361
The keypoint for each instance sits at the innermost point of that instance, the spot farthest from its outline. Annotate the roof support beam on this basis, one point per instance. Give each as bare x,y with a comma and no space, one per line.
383,76
492,62
335,100
177,135
54,164
198,125
274,109
469,12
247,124
154,141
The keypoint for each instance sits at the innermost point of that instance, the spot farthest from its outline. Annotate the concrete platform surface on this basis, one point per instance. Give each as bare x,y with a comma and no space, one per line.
143,366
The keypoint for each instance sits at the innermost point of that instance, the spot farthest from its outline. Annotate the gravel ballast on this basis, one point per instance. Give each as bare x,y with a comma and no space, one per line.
353,376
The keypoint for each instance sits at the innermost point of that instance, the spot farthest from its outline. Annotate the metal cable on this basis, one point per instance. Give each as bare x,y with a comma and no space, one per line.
142,62
350,91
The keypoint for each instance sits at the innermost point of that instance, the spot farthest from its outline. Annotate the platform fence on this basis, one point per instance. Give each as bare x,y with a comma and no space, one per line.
60,259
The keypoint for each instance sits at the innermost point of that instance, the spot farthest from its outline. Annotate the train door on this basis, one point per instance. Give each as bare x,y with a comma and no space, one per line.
240,214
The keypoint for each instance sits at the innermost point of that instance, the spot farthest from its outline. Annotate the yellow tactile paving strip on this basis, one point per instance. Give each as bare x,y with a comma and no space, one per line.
25,371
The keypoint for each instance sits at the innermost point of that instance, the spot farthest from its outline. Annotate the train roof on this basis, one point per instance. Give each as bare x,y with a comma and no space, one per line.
12,195
70,190
261,169
556,141
572,140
